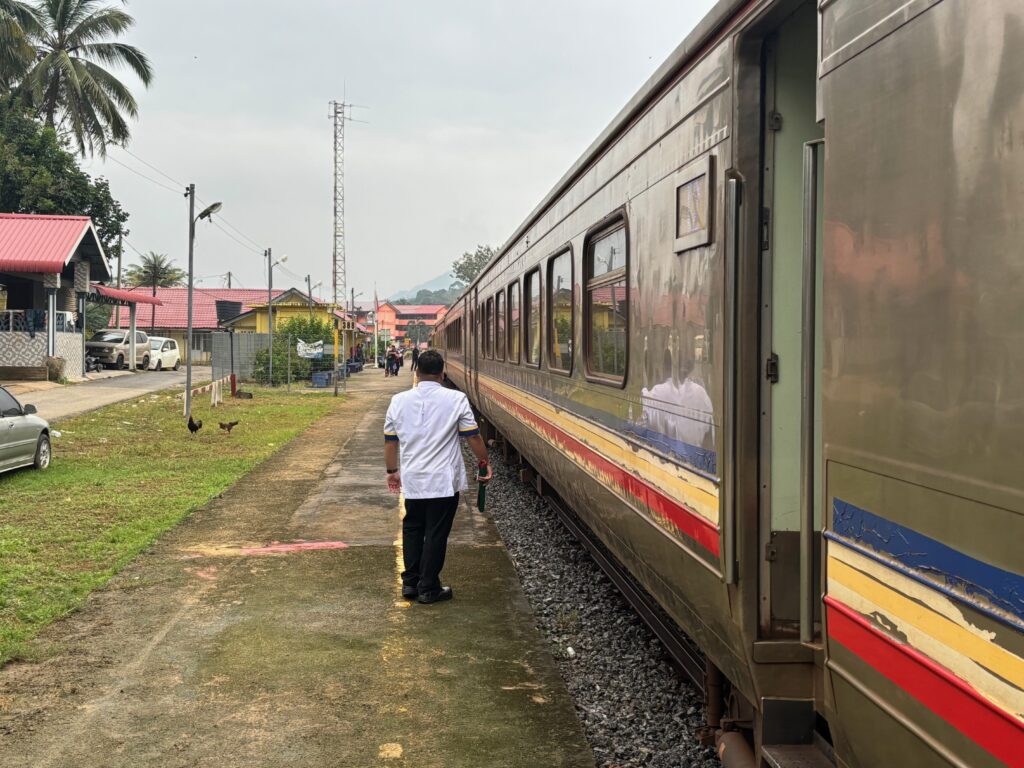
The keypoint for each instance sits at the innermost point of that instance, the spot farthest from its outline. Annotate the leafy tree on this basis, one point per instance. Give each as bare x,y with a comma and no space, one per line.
68,84
417,331
97,317
17,21
468,266
38,175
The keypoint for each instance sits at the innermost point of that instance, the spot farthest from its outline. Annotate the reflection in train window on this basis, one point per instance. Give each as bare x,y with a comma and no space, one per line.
531,343
560,312
607,307
513,322
499,325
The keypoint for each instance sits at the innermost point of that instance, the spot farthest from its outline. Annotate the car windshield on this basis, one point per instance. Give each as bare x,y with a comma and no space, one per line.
108,336
155,343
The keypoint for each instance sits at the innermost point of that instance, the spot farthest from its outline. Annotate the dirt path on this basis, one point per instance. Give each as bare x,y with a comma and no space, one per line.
217,649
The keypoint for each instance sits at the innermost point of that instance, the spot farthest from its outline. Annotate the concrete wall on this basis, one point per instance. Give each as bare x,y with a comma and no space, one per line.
69,346
20,350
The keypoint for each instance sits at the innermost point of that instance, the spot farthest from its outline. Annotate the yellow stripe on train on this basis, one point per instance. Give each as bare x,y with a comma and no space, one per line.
930,622
698,493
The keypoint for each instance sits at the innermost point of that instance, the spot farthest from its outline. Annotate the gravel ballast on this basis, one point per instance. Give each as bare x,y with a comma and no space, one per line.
635,709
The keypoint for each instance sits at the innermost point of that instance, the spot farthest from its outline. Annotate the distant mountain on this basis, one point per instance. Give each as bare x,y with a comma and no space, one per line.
439,283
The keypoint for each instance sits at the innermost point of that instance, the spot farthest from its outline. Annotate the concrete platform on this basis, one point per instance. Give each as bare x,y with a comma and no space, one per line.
269,631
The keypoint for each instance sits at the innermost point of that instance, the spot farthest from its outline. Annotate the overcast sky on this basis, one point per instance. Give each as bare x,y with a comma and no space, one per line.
475,108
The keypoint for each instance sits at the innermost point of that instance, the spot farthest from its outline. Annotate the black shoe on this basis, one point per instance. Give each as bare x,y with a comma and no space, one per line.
410,593
444,593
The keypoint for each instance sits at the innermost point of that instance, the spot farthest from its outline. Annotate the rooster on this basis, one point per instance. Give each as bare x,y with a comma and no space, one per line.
228,426
194,426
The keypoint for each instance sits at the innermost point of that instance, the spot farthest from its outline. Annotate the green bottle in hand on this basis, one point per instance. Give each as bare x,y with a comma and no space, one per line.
481,488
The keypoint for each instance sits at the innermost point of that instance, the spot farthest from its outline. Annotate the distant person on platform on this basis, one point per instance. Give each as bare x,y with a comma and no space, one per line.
415,358
423,426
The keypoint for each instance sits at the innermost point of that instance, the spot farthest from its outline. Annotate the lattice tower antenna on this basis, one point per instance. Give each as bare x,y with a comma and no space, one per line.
340,113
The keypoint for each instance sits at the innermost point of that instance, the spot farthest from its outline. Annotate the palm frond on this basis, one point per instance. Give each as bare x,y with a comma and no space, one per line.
120,54
102,24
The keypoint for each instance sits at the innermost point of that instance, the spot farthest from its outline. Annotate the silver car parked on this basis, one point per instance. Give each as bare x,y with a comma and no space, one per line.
24,437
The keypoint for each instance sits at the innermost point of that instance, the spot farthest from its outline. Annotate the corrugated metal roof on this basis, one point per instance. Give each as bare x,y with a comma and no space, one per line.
135,297
173,314
35,243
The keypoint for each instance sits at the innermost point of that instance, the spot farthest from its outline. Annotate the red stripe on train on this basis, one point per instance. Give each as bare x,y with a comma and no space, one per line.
681,516
949,697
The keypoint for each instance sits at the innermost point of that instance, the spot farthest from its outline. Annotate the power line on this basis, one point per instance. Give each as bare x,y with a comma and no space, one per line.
248,247
151,166
144,176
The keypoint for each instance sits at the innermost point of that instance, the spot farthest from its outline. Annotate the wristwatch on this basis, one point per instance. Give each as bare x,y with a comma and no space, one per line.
392,471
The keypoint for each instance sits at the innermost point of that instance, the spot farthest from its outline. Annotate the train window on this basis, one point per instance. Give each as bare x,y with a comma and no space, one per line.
607,304
531,328
513,322
499,325
489,327
560,300
693,187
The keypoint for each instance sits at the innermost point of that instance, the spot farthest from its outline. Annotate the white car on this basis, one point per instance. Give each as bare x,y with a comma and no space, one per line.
163,354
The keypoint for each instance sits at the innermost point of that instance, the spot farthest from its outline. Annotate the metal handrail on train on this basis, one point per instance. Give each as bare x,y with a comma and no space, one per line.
729,512
807,387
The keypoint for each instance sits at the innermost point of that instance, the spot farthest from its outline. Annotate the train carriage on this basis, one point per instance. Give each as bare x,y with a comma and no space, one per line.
766,339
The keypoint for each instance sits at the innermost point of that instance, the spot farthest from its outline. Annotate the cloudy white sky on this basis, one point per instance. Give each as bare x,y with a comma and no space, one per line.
475,109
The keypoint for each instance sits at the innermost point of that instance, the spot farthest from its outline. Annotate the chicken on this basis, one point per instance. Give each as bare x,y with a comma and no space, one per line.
228,426
194,426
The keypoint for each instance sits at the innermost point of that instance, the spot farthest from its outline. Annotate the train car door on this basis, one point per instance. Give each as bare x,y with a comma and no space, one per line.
791,333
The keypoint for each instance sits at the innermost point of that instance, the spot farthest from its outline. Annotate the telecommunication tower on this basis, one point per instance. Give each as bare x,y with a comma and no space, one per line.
340,113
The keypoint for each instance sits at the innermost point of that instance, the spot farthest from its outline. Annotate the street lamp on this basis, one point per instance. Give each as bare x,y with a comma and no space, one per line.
192,219
270,314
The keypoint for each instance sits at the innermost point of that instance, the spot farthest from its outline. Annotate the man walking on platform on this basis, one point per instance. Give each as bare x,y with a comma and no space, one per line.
424,425
415,358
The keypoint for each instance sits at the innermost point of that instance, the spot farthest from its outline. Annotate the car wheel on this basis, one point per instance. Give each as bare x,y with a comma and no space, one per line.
177,364
43,453
145,363
159,365
120,363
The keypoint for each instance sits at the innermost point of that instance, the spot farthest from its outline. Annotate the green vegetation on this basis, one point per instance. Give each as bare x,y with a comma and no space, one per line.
55,56
38,175
468,266
121,476
310,330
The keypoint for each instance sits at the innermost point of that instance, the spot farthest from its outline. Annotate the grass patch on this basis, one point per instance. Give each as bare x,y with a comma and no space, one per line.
121,476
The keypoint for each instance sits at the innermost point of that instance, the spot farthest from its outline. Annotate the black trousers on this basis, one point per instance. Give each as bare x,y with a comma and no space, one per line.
425,530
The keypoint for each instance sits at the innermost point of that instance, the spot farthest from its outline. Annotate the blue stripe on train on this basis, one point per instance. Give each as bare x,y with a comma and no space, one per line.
941,564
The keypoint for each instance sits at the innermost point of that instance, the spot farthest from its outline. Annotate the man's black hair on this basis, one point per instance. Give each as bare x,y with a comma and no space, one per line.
430,363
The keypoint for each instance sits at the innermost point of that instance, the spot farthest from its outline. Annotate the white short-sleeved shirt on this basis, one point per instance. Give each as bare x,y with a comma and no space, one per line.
427,422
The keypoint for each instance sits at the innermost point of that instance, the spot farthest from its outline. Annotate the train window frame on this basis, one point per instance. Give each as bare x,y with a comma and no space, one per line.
515,330
694,238
489,328
609,225
549,301
528,276
499,325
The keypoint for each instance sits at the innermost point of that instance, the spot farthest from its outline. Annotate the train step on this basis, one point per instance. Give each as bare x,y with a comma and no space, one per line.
795,756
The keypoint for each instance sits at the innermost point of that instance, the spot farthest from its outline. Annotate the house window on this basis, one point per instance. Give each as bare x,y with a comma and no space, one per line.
531,343
499,325
513,323
607,304
560,310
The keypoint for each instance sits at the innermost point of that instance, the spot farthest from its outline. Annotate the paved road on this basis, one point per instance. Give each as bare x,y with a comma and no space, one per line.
267,630
56,404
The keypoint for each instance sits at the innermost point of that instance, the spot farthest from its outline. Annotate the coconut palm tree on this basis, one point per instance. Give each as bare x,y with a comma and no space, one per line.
155,270
69,83
17,21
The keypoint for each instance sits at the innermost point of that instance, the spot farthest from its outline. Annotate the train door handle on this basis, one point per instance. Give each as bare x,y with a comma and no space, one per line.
733,201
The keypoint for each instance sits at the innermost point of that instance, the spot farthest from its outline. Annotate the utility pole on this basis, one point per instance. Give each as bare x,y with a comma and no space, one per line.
120,247
188,334
229,281
309,295
270,320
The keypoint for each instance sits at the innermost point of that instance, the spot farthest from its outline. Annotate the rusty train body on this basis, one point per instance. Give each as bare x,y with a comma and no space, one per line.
766,339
